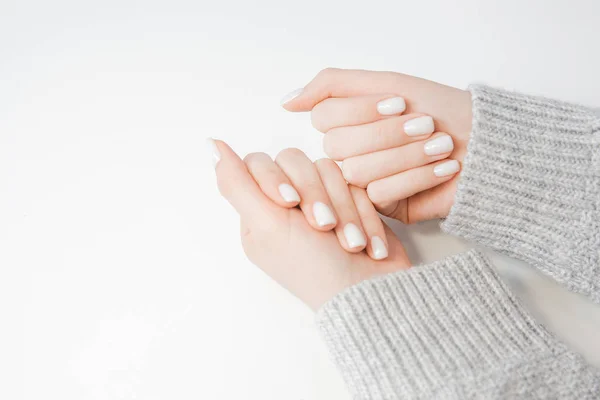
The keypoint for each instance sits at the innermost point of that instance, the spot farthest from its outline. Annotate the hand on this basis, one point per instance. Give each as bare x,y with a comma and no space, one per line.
382,150
282,240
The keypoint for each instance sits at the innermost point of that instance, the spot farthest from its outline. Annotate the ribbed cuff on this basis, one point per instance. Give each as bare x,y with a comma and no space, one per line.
449,329
530,185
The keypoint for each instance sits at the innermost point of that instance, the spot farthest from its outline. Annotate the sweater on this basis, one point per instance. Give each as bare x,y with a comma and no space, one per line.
529,188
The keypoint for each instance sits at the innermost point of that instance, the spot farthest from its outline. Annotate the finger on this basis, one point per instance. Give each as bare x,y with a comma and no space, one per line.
405,184
335,112
334,82
314,201
349,228
237,185
371,223
370,167
349,141
423,208
272,181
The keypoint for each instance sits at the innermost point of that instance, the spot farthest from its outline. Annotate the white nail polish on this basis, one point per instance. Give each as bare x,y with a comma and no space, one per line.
323,214
215,154
291,96
419,126
446,168
354,236
288,193
439,145
392,106
378,246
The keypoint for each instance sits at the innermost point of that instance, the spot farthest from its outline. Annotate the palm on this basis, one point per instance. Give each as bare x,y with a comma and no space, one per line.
304,254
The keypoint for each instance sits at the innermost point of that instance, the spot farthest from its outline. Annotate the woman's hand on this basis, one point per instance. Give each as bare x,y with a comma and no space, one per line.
393,133
289,243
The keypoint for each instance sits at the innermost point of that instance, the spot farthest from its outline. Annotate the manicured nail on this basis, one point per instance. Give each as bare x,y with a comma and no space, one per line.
392,106
378,246
288,193
212,147
323,214
354,236
291,96
446,168
419,126
439,145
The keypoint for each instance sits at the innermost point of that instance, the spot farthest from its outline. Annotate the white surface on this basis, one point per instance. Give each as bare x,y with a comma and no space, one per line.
122,273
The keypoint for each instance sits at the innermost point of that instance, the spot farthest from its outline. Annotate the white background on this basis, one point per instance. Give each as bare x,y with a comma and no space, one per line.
122,272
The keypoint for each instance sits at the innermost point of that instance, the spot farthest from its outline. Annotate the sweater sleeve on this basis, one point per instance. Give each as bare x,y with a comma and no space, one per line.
530,185
448,330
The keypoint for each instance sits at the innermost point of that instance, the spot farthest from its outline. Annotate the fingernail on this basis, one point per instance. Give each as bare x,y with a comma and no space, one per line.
439,145
212,147
392,106
288,193
323,214
378,246
291,96
419,126
446,168
354,236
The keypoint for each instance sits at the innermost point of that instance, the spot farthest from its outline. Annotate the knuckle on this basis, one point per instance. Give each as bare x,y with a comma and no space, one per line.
370,218
312,187
379,130
325,78
329,170
290,153
374,194
352,174
330,146
326,164
327,72
254,157
318,117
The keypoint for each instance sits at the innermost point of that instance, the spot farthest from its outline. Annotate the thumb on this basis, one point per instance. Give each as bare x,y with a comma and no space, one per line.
334,82
237,185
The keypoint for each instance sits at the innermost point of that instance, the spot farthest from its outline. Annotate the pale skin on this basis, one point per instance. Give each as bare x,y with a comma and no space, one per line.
375,151
384,169
282,241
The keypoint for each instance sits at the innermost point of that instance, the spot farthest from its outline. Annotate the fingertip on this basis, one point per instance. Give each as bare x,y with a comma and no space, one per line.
446,169
213,151
355,238
324,217
314,92
289,195
295,101
221,151
378,249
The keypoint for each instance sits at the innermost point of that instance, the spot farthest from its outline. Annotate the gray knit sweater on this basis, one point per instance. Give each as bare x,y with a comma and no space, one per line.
530,188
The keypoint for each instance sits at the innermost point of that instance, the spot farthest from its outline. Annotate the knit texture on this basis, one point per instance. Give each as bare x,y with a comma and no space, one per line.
448,330
530,185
